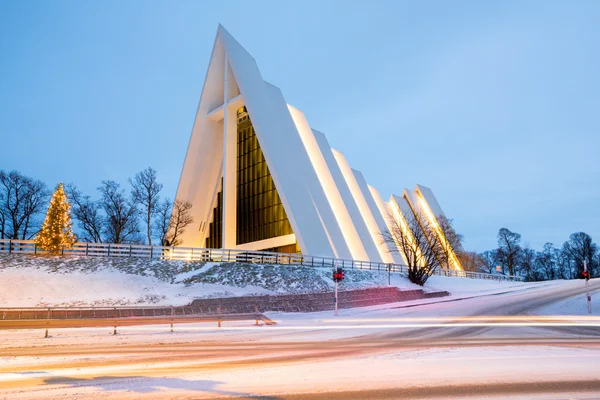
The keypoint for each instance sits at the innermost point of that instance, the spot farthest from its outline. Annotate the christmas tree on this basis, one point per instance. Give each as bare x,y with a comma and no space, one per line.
56,233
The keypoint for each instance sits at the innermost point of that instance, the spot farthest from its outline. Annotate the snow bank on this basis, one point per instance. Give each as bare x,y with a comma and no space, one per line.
576,305
466,286
28,281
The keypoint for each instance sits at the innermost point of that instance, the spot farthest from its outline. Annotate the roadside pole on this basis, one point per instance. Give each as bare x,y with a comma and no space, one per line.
336,298
587,286
338,276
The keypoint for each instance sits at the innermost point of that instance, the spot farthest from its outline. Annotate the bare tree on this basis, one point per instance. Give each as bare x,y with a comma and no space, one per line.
527,263
509,250
21,200
472,261
3,216
563,264
546,261
580,247
145,192
120,224
34,203
162,222
491,258
417,242
88,213
180,219
452,245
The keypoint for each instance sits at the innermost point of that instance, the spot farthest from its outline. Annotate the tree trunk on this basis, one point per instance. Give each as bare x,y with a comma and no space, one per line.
149,222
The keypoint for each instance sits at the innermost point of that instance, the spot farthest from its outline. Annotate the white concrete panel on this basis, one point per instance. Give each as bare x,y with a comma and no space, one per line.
385,250
329,187
350,205
268,243
230,140
432,209
419,207
385,211
201,172
303,198
363,206
430,199
401,212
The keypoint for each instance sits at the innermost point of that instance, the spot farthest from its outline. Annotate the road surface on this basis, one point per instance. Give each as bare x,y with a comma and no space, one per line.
443,350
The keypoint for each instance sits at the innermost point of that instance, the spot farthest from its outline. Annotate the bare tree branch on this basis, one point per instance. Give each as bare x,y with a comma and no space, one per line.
120,225
180,219
162,222
145,192
88,213
21,200
415,238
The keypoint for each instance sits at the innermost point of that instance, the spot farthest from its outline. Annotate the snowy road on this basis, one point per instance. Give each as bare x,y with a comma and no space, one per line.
442,349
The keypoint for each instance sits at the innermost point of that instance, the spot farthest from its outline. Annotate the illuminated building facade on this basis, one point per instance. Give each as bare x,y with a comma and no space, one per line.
260,178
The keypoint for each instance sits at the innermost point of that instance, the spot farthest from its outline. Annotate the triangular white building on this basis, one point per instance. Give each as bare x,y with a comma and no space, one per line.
260,178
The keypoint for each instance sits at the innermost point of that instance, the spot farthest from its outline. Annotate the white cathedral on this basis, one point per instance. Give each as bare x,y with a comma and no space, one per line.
260,178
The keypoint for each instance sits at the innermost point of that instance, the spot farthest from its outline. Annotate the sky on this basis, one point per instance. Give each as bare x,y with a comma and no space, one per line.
494,105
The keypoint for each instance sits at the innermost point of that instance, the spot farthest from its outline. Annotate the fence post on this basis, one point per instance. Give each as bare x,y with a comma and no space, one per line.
172,319
129,251
87,245
63,250
9,246
35,248
109,249
151,252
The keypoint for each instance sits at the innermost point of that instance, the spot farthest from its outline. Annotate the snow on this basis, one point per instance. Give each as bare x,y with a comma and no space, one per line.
30,281
102,374
465,286
411,369
576,305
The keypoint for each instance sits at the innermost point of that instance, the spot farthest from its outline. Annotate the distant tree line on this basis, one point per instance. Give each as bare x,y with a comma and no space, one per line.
516,258
114,216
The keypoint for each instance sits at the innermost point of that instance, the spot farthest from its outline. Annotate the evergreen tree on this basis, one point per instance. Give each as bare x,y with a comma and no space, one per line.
56,232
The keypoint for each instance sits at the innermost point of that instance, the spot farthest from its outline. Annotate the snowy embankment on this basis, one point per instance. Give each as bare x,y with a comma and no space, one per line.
29,281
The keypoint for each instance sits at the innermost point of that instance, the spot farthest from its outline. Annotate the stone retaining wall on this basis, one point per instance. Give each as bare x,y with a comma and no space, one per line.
310,302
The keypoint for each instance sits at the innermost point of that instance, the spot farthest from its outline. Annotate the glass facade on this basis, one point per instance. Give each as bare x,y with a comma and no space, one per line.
215,229
260,213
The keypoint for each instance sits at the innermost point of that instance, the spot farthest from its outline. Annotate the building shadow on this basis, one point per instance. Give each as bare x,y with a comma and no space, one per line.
143,384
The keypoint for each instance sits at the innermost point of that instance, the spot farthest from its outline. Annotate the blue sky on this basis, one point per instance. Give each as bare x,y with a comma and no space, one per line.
494,105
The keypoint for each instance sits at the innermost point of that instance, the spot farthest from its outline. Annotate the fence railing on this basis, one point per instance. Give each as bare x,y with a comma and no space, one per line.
224,255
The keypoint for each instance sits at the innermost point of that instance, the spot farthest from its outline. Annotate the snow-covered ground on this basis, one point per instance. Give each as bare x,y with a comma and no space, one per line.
29,281
297,355
576,305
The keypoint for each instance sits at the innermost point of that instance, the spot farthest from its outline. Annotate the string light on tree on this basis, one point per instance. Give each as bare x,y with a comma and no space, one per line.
57,233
